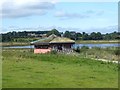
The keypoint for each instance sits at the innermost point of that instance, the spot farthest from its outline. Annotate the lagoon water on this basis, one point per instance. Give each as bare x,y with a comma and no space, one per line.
29,46
75,45
97,45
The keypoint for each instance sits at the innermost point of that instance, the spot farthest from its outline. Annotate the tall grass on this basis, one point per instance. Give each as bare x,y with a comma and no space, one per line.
109,53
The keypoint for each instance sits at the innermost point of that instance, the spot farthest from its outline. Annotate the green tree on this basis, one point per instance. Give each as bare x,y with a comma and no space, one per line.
85,36
93,36
107,37
67,34
78,35
54,31
96,36
99,36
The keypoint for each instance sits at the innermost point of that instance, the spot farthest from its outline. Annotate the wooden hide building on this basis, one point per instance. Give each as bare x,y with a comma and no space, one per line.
53,42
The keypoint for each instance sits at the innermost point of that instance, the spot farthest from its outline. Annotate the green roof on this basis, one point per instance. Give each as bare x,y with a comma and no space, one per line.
45,40
53,39
62,40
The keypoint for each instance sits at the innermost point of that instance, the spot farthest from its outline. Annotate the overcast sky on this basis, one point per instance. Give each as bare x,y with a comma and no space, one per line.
21,15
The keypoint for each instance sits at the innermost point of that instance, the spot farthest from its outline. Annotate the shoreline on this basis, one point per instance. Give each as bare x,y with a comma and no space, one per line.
5,44
97,41
77,42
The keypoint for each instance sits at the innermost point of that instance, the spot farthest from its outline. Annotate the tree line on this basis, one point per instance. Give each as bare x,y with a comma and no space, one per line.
85,36
92,36
10,36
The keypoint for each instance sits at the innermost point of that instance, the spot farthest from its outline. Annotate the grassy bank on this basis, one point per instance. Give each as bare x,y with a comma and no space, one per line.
22,68
14,43
96,41
78,42
109,53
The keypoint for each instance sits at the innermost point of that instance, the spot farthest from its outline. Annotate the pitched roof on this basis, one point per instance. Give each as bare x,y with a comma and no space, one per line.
53,39
62,40
45,40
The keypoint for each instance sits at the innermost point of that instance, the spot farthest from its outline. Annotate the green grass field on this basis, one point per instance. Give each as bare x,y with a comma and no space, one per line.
23,69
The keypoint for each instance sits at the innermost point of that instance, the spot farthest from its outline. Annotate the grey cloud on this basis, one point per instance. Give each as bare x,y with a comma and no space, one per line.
70,15
40,5
100,13
108,29
96,13
86,14
11,10
24,13
89,12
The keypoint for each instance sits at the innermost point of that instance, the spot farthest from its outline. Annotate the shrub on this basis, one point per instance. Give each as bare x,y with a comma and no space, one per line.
97,48
117,52
84,48
77,49
53,52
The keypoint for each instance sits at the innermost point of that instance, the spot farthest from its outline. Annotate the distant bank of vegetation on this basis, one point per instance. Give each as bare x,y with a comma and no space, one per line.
28,36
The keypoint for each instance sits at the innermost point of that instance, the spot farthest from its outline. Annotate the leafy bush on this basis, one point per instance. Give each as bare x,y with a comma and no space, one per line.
96,48
77,49
53,52
117,52
84,48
